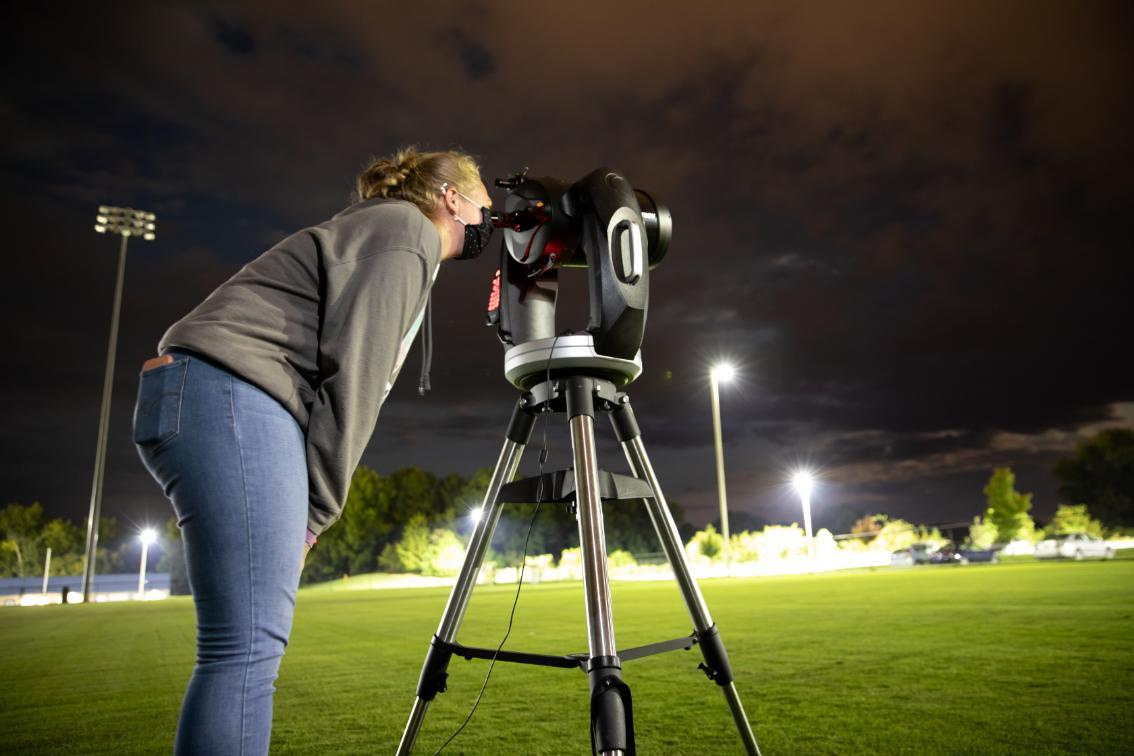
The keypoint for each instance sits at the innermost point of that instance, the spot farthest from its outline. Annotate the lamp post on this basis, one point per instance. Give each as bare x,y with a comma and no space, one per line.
717,374
804,481
124,222
46,570
147,537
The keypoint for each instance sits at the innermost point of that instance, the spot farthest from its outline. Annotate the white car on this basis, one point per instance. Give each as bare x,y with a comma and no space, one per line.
1074,546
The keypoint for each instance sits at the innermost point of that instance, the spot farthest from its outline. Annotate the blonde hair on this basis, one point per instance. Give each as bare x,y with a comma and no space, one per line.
418,176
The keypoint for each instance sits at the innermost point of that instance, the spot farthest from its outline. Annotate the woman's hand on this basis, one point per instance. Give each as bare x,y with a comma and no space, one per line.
308,544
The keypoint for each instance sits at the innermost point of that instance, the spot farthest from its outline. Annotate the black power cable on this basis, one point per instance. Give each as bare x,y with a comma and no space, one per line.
543,454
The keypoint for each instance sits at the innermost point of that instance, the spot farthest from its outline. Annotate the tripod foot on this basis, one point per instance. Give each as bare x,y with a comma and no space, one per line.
612,716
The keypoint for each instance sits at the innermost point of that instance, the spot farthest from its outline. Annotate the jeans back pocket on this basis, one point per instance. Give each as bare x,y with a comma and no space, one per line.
157,413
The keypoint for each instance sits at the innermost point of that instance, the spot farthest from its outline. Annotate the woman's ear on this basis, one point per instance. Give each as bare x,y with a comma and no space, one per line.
448,198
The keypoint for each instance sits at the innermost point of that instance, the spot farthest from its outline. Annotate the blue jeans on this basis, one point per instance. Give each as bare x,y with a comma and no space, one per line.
233,462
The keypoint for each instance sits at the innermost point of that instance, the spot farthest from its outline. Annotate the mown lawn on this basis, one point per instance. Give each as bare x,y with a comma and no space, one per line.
1011,658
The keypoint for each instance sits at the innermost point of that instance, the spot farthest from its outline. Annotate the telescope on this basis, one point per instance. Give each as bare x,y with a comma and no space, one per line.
617,233
600,223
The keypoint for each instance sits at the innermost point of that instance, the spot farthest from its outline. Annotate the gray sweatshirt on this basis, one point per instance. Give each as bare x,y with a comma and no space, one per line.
322,322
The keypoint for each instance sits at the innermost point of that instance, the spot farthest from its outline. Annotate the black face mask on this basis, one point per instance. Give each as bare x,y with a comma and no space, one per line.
476,236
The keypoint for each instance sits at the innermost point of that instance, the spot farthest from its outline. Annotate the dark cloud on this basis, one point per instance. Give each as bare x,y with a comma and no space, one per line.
476,60
233,36
905,223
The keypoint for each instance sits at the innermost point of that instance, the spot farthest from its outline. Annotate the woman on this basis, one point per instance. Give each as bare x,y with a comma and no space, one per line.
256,413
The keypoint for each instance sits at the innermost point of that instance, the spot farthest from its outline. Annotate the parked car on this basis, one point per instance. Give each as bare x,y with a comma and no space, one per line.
1074,546
981,555
1018,547
925,553
947,554
916,554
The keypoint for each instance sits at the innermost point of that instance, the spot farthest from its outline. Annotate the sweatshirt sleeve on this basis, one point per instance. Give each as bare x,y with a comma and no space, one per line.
372,310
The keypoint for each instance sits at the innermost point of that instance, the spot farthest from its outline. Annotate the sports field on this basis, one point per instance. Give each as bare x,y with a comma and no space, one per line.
1011,658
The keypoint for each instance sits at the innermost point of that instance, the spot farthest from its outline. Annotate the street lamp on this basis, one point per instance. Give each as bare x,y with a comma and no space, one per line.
147,537
803,482
718,373
125,222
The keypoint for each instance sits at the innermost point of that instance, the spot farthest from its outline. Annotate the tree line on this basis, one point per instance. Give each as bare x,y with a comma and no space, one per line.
27,535
414,521
411,520
1096,484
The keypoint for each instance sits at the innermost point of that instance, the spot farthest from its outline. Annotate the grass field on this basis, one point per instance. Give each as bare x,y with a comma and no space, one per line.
1015,658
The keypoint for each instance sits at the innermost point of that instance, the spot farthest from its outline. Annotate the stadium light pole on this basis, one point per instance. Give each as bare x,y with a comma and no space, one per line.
124,222
147,537
718,373
803,482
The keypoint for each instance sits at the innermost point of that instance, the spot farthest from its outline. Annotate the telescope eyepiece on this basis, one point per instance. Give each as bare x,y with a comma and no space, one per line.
524,219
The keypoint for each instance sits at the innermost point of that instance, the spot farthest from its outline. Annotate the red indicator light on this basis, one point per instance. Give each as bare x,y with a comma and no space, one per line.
494,295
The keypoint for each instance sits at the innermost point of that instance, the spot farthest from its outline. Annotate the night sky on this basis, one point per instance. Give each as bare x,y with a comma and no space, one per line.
907,224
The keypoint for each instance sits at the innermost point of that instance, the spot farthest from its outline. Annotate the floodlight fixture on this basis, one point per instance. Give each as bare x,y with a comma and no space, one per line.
723,372
126,221
803,482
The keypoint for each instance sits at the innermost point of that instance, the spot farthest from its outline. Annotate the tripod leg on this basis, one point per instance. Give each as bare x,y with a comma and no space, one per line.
611,717
716,665
433,672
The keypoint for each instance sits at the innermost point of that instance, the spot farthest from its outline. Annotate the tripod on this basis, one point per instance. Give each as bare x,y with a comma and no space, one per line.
580,391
